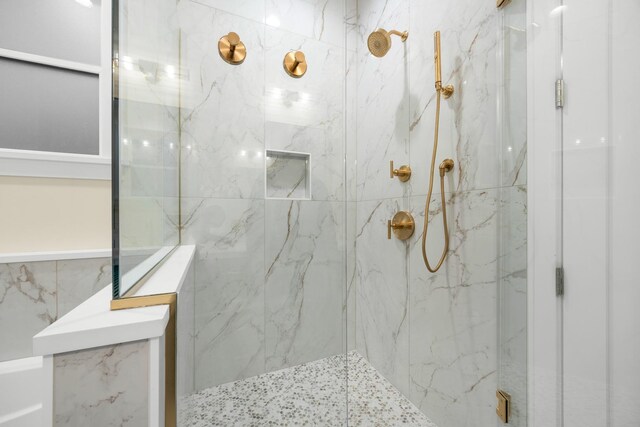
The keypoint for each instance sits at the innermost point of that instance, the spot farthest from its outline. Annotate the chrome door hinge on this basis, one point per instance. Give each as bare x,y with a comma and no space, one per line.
559,93
115,72
559,281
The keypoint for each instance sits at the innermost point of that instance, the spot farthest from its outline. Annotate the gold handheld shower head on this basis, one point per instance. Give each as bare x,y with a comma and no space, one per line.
447,90
436,58
379,42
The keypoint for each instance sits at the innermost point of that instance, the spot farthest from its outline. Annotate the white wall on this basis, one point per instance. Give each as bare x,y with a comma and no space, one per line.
48,214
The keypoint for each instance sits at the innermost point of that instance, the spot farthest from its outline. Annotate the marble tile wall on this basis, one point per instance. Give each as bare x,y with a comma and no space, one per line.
34,294
106,386
436,336
269,274
185,357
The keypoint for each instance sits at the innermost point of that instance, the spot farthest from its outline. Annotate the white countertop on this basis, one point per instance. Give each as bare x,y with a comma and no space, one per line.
93,324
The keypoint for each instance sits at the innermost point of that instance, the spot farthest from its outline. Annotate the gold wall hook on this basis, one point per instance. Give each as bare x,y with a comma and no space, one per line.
403,173
295,64
402,225
231,49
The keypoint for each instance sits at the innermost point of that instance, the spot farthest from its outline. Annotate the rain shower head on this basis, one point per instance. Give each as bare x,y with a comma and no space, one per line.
379,42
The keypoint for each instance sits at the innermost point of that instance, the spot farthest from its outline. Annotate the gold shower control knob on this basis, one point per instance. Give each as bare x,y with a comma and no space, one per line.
231,49
403,173
402,225
295,64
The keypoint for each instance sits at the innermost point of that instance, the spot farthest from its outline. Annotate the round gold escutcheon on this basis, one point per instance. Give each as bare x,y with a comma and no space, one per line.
402,225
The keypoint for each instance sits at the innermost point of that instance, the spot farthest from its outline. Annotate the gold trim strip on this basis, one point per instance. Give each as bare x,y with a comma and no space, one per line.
170,299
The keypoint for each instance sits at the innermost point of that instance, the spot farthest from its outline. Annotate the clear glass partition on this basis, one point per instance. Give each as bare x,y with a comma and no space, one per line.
600,239
146,138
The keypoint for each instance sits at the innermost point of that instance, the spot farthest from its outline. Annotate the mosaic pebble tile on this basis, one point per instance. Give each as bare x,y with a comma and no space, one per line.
312,394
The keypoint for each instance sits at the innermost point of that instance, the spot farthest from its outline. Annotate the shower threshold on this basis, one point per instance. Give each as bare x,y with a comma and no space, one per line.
311,394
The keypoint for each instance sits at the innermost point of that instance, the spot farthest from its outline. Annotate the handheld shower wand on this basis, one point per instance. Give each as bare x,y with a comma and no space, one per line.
444,167
446,91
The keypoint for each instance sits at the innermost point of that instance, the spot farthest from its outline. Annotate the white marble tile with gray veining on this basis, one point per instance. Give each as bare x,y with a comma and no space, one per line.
351,125
185,351
307,114
229,274
27,305
468,121
316,99
512,269
79,279
351,25
513,111
106,386
287,177
453,312
382,305
383,91
250,9
321,20
304,281
326,156
223,107
352,277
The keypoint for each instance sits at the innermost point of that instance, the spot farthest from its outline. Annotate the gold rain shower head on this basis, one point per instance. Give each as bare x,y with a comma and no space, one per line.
379,42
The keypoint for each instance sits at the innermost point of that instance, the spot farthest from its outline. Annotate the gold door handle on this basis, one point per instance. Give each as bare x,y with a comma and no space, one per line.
231,49
402,225
295,64
403,173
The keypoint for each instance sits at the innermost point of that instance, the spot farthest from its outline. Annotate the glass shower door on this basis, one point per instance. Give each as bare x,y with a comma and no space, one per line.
600,211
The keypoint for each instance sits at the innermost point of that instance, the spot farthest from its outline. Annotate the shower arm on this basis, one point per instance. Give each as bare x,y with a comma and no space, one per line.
402,35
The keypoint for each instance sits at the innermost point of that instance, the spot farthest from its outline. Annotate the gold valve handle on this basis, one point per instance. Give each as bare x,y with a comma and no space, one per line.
231,49
402,225
295,64
403,173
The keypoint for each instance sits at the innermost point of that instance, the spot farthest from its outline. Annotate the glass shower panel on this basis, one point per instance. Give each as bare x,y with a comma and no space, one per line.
263,200
512,213
600,204
146,138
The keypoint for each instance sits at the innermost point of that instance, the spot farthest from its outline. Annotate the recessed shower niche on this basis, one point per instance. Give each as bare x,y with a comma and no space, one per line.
287,175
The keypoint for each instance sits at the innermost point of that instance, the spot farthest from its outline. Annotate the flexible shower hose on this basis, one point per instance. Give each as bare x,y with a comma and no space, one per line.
443,170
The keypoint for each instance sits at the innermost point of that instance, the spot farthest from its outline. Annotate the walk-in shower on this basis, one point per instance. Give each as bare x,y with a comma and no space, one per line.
282,122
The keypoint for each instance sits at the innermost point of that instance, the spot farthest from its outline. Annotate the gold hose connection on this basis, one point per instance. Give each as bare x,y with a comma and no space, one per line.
444,167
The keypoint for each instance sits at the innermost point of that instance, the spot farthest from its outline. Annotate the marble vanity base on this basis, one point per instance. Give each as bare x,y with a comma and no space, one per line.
310,394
